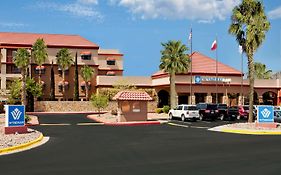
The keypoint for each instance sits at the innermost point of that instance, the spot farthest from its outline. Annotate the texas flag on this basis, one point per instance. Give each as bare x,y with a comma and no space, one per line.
214,45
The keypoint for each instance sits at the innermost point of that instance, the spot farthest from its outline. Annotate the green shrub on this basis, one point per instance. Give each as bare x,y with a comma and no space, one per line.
159,110
27,118
166,109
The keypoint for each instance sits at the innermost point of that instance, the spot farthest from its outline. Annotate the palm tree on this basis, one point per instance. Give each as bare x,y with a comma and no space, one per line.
249,25
39,54
174,60
22,61
87,74
261,71
76,80
64,60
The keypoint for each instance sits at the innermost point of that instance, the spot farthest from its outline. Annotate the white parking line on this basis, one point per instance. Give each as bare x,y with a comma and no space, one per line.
200,127
183,126
55,124
90,124
206,122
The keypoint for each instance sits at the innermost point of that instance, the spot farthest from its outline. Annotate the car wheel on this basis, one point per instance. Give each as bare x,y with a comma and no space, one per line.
201,117
182,118
170,116
222,117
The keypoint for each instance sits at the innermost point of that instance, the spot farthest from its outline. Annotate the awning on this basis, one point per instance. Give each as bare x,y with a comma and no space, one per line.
65,83
85,53
40,67
110,59
110,73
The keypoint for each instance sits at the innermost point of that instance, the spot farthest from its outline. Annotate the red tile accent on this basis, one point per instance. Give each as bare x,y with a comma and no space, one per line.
132,95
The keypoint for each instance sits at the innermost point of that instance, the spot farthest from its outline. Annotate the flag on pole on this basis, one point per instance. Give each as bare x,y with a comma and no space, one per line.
190,35
240,49
214,45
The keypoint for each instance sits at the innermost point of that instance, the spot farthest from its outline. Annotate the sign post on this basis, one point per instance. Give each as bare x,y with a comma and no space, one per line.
265,116
15,121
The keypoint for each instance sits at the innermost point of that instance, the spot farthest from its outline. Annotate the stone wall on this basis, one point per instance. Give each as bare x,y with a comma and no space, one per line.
77,106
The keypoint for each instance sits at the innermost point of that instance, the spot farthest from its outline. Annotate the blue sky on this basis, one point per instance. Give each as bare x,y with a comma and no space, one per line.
137,27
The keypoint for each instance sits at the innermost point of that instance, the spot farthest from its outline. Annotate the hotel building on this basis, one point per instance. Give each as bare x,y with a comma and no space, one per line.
204,84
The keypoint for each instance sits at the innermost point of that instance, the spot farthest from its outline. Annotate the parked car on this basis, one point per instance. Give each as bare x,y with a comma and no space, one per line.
208,111
232,112
277,115
243,112
184,112
222,108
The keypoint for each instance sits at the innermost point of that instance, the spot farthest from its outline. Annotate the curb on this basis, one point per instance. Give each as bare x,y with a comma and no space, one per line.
251,132
22,146
80,112
125,123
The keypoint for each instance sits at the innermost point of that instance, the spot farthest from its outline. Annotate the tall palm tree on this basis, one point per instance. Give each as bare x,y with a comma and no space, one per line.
39,54
64,61
22,61
261,71
249,25
174,60
87,74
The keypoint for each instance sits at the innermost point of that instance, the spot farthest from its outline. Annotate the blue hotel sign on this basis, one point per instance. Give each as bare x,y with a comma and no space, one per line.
200,79
14,115
265,114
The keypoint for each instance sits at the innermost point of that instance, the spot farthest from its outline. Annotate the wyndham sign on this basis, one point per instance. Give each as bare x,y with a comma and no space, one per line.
265,114
14,115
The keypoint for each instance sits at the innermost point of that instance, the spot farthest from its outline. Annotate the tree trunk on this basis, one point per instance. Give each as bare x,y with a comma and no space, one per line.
52,87
39,77
63,85
76,81
251,81
173,93
87,90
23,91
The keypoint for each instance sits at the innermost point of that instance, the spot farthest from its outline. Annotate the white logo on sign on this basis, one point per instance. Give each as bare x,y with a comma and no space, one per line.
16,114
265,113
198,79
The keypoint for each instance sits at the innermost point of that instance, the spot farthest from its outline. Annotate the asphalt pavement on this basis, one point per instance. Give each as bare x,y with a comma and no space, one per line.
157,149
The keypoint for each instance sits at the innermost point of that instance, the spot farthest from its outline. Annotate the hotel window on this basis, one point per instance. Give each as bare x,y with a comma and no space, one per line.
63,84
16,70
110,61
66,71
86,55
40,68
83,86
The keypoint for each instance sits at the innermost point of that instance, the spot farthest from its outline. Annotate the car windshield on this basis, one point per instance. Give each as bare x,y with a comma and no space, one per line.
192,108
222,106
246,107
278,113
212,106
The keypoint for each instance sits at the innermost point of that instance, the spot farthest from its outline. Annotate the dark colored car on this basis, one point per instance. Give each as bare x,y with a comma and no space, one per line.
277,116
222,108
232,112
208,111
243,112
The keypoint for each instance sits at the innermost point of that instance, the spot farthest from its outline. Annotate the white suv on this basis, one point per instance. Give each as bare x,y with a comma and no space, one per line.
184,112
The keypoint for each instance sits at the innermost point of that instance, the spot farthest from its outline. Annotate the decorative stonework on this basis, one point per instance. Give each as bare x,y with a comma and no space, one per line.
77,106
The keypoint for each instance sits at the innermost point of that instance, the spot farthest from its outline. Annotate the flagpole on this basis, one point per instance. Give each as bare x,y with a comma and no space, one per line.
242,71
217,70
191,78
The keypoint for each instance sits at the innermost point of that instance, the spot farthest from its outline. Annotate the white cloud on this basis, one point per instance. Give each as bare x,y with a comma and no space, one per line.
275,14
88,1
200,10
11,25
81,8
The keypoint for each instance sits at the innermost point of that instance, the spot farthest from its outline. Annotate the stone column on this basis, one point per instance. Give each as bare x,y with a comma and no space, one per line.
225,99
209,98
241,100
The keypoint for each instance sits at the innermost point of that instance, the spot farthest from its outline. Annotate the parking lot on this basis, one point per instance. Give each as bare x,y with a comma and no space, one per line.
175,148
